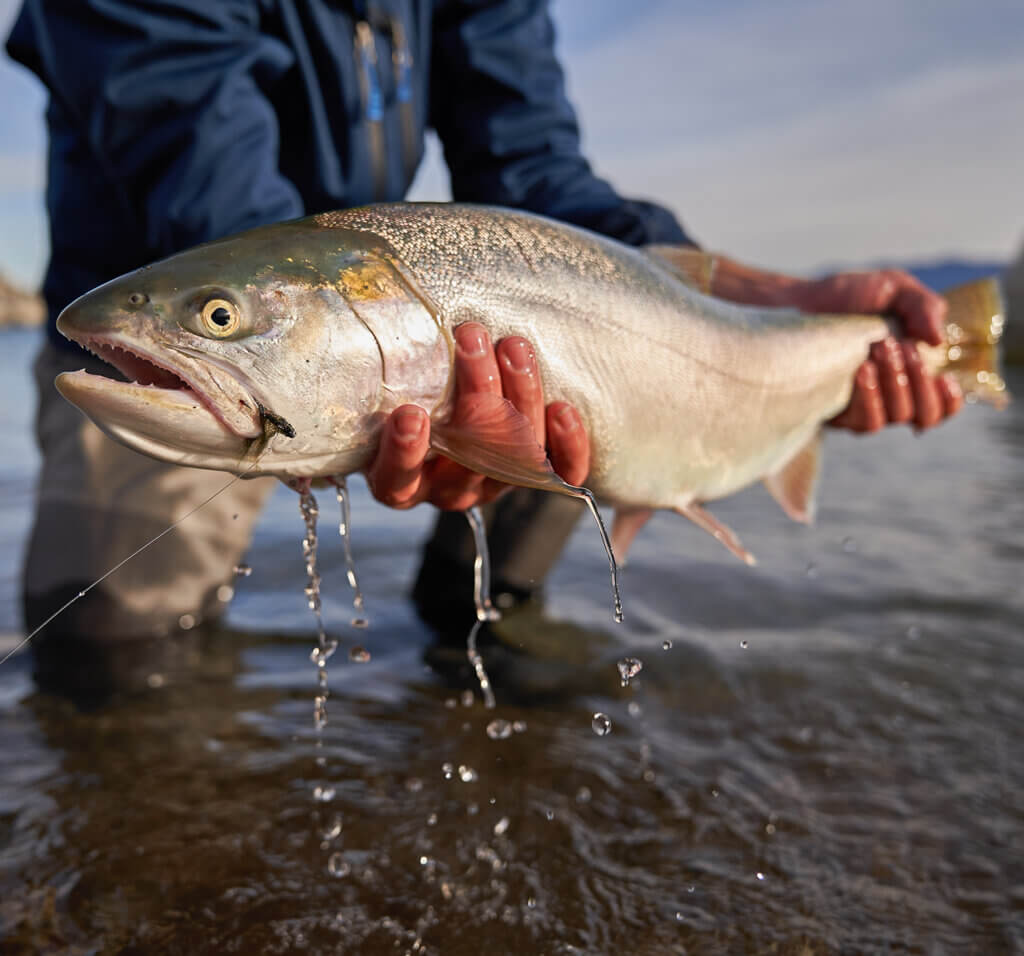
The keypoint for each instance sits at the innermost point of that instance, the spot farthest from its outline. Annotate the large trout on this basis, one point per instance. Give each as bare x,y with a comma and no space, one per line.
281,351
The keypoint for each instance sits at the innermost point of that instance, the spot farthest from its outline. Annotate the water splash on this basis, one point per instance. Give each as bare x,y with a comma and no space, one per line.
601,724
629,667
345,530
485,610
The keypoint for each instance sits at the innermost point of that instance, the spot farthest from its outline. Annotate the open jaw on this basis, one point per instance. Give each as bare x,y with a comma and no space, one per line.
161,410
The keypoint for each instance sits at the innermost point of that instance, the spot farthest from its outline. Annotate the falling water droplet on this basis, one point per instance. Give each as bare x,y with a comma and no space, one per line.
744,644
760,876
333,829
337,866
467,698
666,645
467,774
323,794
519,726
243,570
501,826
583,795
499,729
359,654
601,724
448,770
629,667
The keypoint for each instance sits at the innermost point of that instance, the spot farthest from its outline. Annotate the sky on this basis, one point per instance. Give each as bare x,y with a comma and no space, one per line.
790,134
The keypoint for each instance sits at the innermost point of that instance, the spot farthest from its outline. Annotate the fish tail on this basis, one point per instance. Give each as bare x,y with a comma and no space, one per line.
974,326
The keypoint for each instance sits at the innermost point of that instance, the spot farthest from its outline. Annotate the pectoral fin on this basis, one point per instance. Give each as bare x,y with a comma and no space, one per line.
793,485
707,521
492,437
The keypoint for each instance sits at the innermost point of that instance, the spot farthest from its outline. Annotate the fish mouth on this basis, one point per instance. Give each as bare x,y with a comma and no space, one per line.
150,378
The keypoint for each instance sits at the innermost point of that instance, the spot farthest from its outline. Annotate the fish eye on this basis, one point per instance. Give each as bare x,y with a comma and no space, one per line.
221,318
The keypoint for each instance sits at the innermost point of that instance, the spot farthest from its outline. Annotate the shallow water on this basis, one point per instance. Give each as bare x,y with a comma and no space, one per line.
827,759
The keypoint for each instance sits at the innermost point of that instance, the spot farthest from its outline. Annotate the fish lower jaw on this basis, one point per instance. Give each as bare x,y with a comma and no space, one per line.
144,369
170,424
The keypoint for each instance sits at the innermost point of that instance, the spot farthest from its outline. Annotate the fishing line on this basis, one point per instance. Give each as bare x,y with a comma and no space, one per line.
123,562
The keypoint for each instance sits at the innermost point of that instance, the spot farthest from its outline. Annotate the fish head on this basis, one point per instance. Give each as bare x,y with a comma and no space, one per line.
241,355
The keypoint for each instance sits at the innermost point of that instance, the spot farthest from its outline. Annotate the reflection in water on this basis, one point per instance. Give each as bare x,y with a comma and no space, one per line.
849,782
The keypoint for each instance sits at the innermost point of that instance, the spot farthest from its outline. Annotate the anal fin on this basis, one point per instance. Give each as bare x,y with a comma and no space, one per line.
794,484
714,527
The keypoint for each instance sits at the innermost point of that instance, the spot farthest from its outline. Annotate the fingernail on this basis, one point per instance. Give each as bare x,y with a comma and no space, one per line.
409,425
566,419
518,355
472,342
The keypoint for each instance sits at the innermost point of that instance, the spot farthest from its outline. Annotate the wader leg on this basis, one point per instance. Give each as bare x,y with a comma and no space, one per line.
96,503
526,532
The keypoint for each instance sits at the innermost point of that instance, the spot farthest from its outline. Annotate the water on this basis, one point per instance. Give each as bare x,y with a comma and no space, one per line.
863,753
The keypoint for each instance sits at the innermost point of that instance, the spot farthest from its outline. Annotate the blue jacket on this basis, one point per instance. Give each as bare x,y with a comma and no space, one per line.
173,122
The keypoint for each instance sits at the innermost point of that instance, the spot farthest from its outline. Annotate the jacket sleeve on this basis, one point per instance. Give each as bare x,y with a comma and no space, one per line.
510,135
164,98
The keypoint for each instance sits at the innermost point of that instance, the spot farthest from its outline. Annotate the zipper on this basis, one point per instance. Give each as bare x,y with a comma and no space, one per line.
401,62
373,106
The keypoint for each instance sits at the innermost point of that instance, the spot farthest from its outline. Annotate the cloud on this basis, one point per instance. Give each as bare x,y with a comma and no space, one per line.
795,132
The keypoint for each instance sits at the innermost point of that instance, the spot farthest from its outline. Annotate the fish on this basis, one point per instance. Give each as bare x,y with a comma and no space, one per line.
283,349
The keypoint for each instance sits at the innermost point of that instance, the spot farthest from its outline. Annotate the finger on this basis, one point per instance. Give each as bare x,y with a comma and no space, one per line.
449,486
520,381
476,369
892,376
866,411
396,473
568,443
952,395
928,403
923,312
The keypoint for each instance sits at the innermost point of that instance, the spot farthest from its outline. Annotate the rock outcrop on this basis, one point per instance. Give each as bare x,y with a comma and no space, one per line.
18,307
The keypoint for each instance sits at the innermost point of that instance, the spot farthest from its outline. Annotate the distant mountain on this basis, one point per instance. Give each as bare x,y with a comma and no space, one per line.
18,307
943,275
936,275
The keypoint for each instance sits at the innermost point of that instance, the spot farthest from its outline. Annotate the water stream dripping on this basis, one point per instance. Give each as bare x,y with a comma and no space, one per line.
324,649
345,530
613,567
485,610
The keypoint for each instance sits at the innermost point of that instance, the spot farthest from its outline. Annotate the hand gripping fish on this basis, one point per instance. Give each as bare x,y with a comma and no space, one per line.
300,338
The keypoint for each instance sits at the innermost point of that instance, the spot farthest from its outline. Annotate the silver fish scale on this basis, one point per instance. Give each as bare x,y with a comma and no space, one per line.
648,361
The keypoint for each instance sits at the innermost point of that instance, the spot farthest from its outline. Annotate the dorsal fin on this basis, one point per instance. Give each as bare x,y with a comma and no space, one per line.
690,265
793,485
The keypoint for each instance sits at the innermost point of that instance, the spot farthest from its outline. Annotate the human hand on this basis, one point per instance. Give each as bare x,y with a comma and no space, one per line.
891,386
401,476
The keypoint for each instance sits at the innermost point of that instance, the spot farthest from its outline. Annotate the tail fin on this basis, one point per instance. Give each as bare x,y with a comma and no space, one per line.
973,329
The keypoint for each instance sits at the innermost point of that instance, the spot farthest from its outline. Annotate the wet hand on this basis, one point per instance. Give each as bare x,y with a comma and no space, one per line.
892,386
401,476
